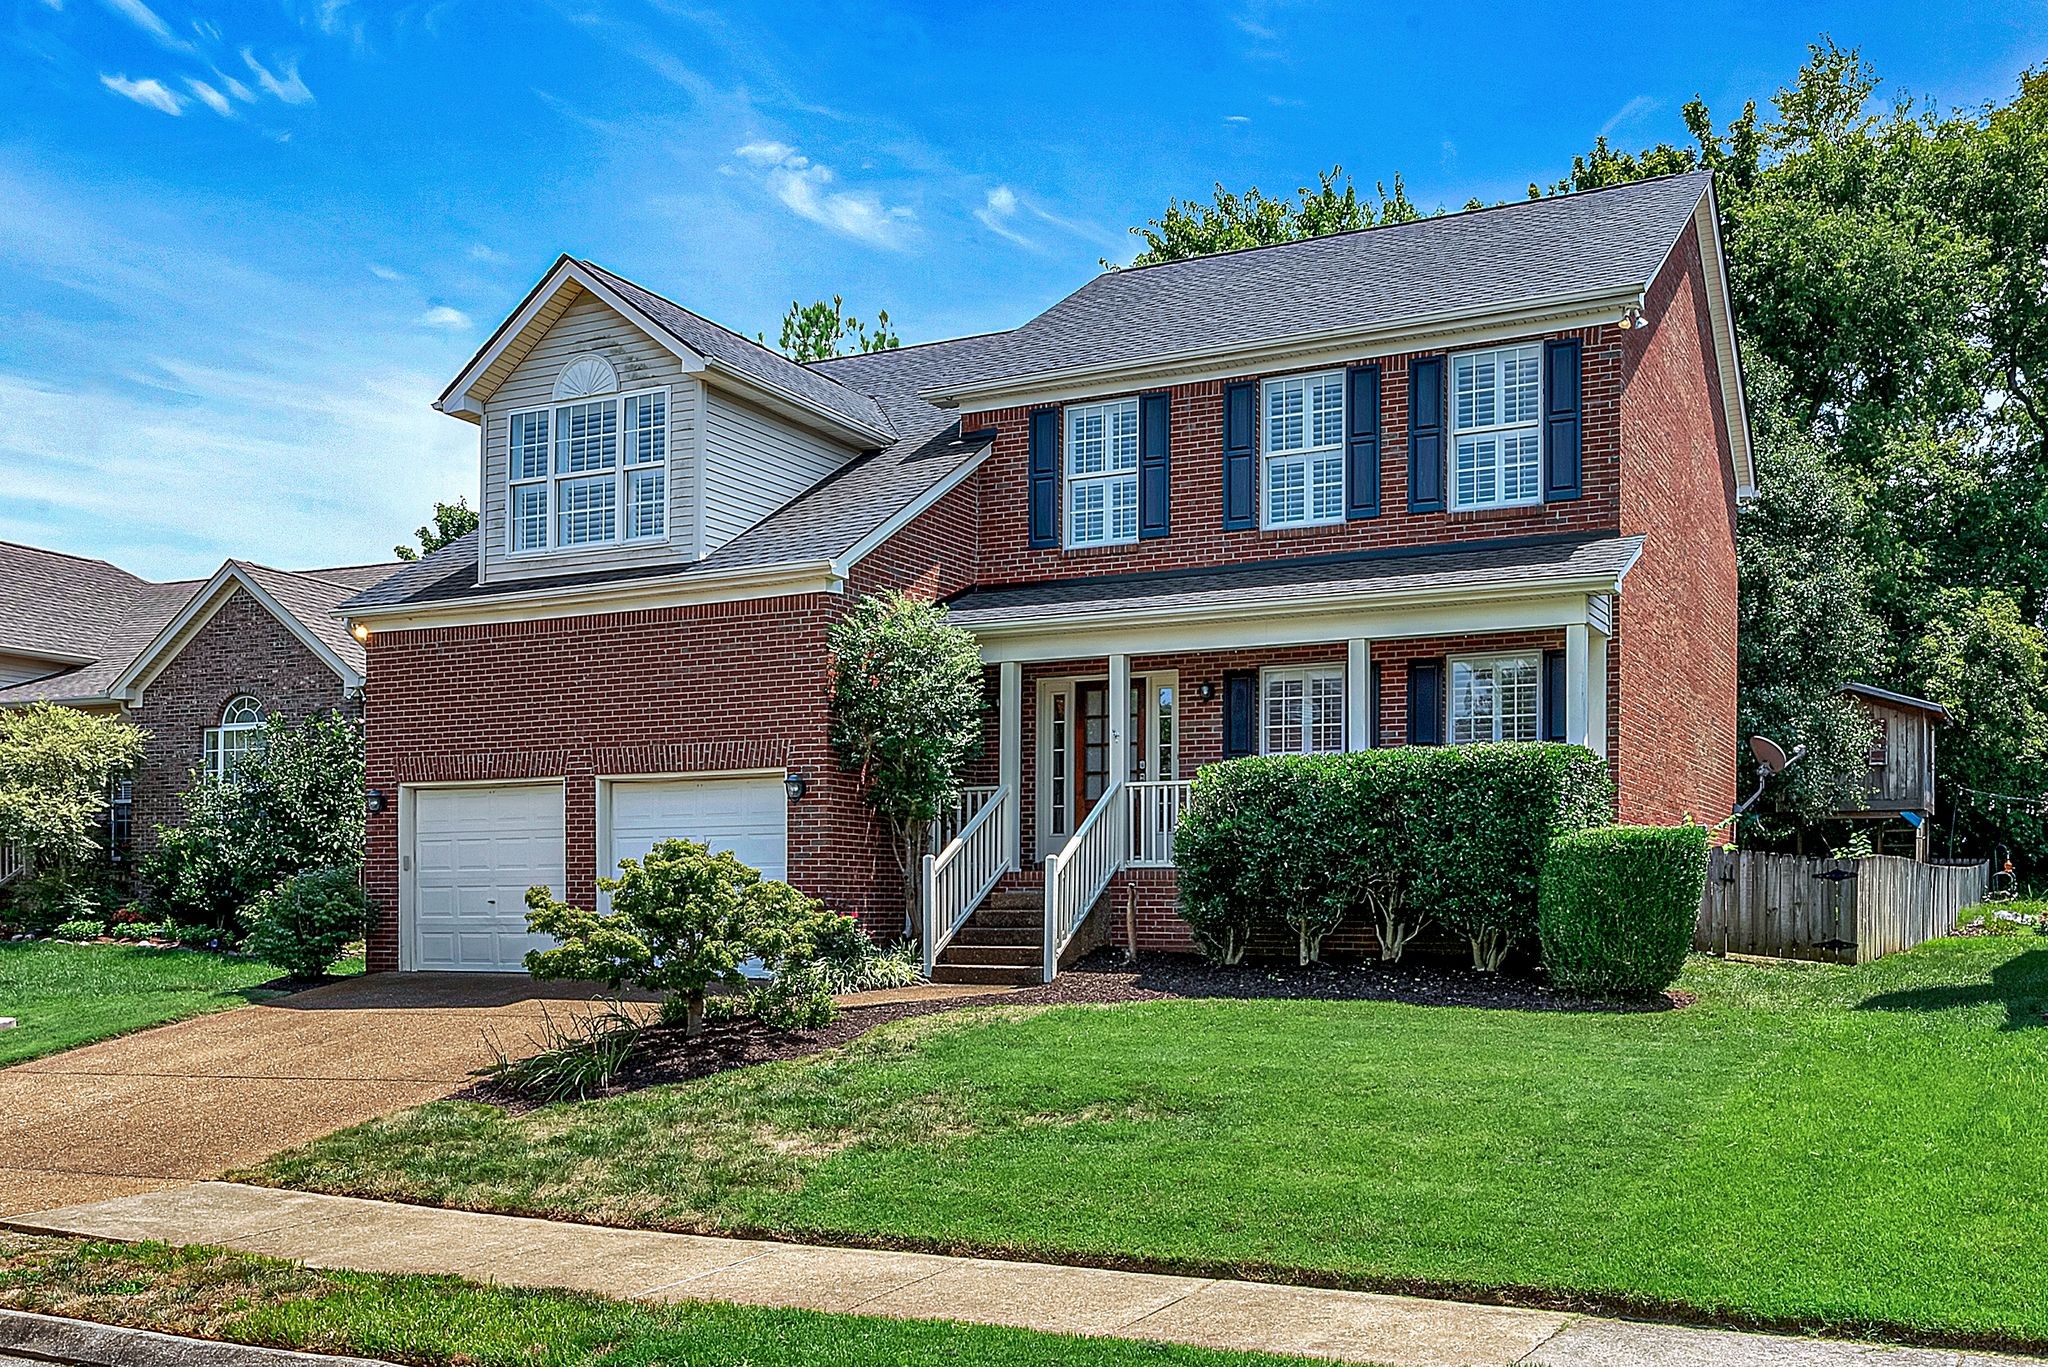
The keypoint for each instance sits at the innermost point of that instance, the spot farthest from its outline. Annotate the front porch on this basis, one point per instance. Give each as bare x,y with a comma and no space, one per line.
1106,707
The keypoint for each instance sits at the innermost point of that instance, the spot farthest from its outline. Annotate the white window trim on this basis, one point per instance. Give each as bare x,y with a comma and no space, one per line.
1071,483
1458,504
213,742
621,472
1533,658
1307,674
1307,455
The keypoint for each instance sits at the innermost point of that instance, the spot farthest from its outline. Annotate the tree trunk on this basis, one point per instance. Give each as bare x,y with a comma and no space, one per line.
693,1014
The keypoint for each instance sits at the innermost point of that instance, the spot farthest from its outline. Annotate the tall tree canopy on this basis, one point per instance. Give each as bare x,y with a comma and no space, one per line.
818,331
452,522
1254,219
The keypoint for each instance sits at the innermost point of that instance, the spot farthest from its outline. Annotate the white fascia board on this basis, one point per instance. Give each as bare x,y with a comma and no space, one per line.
1463,327
1727,345
842,564
769,581
130,684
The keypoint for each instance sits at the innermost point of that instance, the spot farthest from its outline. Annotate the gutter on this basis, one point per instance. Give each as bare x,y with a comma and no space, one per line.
806,576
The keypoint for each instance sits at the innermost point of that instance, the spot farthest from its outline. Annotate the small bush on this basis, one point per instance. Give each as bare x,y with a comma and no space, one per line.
305,923
79,930
1618,905
576,1060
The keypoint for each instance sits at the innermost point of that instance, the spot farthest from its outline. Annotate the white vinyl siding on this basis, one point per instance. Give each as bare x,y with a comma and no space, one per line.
754,463
1102,473
1302,425
1496,418
1301,711
519,528
1496,698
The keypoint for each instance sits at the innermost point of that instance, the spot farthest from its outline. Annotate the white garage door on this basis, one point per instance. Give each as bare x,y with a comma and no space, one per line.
745,815
475,853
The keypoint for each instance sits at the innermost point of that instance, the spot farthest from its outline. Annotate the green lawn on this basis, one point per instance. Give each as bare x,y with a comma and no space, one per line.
1844,1149
65,995
440,1320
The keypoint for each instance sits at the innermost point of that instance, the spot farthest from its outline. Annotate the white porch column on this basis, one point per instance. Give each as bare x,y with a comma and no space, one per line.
1358,695
1577,656
1596,693
1119,719
1010,748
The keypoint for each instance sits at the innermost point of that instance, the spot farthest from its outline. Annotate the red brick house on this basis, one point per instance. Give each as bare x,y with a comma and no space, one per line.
199,663
1469,478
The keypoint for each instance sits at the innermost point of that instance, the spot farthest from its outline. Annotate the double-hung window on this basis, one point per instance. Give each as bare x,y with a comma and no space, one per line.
1495,698
1496,414
1102,473
1302,711
588,473
1304,426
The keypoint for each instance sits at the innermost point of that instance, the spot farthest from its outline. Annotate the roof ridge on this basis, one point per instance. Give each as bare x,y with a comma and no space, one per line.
74,555
1409,223
886,351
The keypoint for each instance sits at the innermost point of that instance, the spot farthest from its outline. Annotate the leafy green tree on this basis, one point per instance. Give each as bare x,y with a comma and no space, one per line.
682,921
452,522
55,767
293,803
1979,657
907,700
819,331
1254,219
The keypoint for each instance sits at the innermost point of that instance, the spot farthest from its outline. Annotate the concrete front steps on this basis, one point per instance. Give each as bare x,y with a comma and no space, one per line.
1003,942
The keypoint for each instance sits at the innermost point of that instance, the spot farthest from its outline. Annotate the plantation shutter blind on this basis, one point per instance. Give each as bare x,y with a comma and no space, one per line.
1426,702
1362,442
1240,456
1154,466
1044,487
1562,420
1240,714
1426,435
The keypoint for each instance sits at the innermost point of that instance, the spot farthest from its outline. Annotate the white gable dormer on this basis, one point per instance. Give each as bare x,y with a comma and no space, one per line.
608,443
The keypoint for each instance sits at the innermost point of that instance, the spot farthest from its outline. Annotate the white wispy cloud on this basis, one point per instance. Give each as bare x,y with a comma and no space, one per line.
1634,109
210,97
149,92
150,22
383,272
998,214
445,318
805,189
1236,118
284,83
489,256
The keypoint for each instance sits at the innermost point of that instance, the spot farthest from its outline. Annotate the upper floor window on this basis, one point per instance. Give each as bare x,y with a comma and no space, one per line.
1496,414
1304,427
1495,698
1102,473
1302,711
588,473
240,732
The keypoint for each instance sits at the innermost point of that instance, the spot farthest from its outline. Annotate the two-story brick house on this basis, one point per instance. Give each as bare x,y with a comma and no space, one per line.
1469,478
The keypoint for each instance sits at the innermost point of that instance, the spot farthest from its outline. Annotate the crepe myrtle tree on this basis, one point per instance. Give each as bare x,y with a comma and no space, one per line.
906,717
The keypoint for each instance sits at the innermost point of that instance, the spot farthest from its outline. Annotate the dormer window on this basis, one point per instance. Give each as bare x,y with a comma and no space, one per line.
589,473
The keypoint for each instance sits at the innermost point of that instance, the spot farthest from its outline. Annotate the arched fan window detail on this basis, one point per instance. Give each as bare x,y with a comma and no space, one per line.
240,732
584,376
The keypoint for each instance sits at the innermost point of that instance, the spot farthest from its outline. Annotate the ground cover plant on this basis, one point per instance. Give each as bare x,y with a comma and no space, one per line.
65,995
241,1298
1833,1147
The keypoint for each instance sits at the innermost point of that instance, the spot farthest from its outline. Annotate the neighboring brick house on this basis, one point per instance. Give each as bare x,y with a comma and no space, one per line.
198,663
1473,477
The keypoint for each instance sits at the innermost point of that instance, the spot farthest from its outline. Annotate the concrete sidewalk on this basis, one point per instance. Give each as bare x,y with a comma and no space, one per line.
1398,1331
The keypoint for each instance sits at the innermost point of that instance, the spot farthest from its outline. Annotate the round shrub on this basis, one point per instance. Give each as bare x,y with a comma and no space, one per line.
1616,907
304,923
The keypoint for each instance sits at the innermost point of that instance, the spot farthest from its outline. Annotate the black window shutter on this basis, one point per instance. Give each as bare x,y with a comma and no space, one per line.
1240,456
1154,475
1045,478
1240,714
1362,442
1561,419
1372,705
1426,434
1425,702
1553,695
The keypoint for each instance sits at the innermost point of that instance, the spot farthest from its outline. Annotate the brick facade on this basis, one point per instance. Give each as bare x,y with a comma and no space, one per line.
241,649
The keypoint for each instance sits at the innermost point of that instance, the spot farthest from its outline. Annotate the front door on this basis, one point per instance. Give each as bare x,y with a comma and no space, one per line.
1091,747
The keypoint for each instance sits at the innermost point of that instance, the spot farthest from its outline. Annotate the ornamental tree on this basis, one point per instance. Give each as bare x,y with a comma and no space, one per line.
55,767
907,699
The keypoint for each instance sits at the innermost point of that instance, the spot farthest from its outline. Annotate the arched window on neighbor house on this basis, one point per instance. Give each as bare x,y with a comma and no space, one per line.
239,732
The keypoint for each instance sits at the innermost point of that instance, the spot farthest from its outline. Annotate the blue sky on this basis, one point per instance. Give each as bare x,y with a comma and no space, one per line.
246,244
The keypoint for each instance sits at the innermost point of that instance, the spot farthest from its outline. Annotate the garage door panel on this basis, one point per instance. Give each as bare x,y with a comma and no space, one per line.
747,816
475,853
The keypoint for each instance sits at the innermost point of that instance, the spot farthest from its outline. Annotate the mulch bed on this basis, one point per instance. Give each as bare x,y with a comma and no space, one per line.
665,1055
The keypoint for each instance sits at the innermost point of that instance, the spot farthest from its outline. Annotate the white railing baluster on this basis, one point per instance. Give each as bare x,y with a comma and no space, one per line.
966,869
1078,874
954,819
1156,810
13,863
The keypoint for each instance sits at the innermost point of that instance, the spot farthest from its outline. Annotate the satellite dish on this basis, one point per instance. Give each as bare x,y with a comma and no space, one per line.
1769,756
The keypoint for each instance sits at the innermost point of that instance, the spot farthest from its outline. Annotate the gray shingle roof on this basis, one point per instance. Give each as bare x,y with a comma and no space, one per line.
1482,260
58,604
749,358
1533,564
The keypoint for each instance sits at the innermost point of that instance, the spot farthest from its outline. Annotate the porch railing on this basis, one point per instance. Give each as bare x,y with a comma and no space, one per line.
1155,811
954,819
1077,875
966,869
13,863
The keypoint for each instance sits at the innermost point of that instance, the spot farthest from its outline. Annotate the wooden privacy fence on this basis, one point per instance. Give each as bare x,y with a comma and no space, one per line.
1839,910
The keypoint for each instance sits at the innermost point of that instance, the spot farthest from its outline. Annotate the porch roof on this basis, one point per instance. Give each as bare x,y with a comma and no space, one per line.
1448,573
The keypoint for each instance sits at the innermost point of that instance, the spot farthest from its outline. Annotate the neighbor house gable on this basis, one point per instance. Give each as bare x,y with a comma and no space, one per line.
325,640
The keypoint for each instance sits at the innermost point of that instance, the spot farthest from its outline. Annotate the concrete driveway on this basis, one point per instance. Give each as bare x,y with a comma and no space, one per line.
190,1101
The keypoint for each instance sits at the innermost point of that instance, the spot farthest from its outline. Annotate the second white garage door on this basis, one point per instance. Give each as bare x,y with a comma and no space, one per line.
747,815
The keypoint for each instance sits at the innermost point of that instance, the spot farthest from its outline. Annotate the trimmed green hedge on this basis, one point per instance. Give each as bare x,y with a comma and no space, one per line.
1617,907
1453,835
